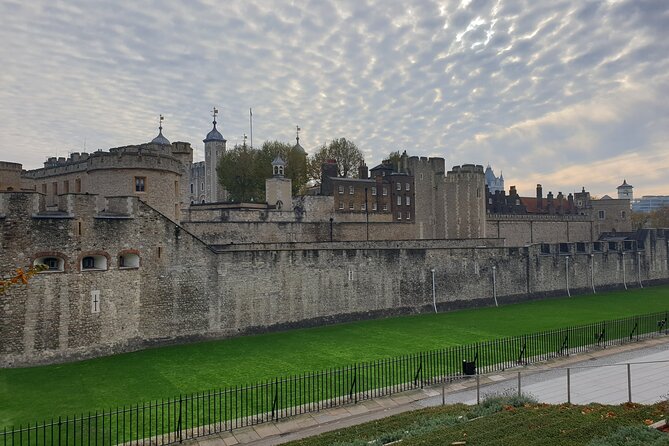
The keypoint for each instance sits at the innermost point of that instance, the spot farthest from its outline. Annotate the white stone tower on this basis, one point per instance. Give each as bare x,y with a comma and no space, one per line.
214,148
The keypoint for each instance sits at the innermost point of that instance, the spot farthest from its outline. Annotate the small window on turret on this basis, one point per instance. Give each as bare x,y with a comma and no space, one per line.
140,184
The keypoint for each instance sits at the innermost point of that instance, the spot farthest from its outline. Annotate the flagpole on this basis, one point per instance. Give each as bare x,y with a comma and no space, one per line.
251,125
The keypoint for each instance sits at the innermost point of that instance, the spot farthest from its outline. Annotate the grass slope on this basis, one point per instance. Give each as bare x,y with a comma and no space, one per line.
530,424
35,393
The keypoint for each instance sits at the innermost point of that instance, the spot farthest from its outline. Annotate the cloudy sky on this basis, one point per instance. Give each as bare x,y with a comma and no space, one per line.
563,93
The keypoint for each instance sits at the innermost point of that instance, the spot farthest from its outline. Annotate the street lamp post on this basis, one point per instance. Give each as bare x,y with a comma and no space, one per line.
331,220
367,213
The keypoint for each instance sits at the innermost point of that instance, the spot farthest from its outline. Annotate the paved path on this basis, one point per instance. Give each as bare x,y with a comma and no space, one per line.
545,381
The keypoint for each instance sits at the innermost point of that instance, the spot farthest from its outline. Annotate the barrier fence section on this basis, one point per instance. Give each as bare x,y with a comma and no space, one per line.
199,414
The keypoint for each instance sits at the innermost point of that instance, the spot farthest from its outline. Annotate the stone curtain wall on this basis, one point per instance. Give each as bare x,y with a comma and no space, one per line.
184,291
519,230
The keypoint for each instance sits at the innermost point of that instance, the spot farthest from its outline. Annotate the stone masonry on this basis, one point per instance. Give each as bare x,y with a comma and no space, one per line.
183,289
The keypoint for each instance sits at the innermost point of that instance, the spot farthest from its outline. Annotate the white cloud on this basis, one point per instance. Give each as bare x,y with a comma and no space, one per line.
538,89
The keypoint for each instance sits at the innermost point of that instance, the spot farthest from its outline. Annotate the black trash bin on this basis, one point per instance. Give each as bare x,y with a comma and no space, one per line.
468,368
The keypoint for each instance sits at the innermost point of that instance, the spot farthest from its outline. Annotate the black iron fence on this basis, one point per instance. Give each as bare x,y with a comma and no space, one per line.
189,416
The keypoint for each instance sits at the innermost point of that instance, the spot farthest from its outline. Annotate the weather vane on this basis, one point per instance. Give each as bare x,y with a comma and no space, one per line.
160,124
297,127
215,112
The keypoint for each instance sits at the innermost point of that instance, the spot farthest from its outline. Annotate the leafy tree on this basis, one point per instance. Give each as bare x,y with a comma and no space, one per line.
348,156
394,159
659,218
295,158
243,170
639,220
238,172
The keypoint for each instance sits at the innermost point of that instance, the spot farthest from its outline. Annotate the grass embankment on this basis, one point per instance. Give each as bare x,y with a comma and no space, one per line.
508,424
36,393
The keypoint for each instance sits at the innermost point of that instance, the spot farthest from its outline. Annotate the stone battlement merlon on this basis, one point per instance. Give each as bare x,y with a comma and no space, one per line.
129,157
467,168
71,205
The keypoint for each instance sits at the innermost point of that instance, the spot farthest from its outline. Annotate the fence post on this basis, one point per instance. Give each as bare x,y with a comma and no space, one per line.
629,383
179,426
519,384
478,389
568,385
276,397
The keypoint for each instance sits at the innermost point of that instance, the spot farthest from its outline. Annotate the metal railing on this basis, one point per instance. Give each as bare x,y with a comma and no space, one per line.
199,414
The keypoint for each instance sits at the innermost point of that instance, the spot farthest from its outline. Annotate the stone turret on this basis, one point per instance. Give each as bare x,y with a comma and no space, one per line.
465,202
214,149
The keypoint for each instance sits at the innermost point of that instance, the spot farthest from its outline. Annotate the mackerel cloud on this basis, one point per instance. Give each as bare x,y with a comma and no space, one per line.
563,93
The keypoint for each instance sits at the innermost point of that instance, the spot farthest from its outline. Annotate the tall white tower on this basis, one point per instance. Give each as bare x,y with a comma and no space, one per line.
214,148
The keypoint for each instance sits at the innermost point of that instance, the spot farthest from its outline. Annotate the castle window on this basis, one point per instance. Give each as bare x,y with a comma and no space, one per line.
350,205
613,246
623,214
77,185
202,186
54,264
399,215
489,200
399,199
602,215
176,188
94,263
399,186
44,189
579,203
385,207
54,189
341,190
341,205
374,206
408,200
407,187
363,207
191,188
408,214
66,187
373,190
350,190
140,184
385,191
128,261
545,248
421,176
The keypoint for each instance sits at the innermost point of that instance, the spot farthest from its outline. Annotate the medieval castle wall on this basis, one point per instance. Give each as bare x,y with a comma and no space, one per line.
183,289
520,230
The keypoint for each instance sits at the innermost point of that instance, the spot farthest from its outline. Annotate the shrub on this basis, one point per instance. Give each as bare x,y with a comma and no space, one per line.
632,436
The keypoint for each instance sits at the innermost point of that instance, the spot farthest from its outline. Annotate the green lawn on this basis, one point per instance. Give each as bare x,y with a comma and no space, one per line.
35,393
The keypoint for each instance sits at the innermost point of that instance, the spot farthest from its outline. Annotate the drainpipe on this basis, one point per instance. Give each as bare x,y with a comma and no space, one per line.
623,260
494,285
434,292
638,267
566,275
592,273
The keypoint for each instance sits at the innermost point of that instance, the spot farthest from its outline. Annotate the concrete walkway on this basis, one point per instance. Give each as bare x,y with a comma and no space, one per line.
545,381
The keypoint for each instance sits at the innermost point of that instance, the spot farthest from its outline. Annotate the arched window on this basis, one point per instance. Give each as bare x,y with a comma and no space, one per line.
54,264
93,263
128,261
